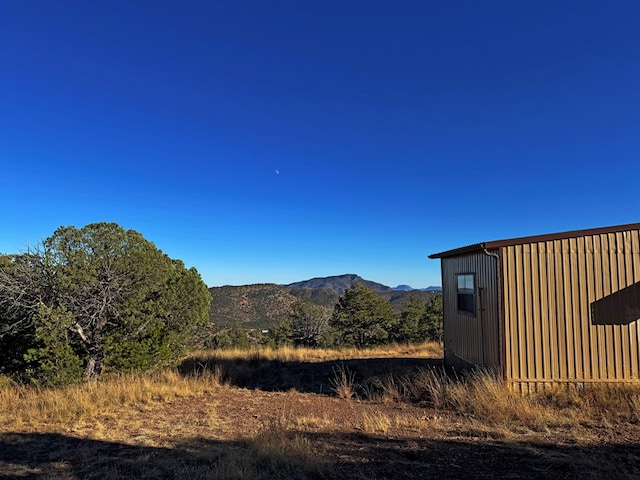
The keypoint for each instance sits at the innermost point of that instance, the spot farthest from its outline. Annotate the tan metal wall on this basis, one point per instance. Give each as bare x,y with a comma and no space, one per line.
469,339
550,290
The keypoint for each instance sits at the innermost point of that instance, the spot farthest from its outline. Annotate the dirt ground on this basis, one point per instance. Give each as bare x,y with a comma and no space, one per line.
252,432
166,440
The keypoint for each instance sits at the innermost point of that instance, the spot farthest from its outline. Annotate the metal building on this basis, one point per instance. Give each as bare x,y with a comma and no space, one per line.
554,308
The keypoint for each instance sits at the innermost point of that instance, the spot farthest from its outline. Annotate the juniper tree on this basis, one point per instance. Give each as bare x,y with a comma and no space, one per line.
308,322
99,293
362,318
433,319
411,327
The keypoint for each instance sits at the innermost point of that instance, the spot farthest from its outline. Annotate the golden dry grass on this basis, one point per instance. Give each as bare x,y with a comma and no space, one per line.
303,354
195,425
36,409
477,396
483,398
376,422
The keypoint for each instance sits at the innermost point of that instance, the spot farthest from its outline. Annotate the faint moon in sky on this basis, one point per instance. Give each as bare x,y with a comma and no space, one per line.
277,172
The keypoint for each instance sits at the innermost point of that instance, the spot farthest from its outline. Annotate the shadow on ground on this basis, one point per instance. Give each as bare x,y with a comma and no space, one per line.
309,377
30,456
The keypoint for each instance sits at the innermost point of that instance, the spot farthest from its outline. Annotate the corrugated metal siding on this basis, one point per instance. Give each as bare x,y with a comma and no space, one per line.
550,290
469,339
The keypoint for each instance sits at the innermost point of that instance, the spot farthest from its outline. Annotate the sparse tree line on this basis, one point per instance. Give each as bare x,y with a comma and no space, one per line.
360,319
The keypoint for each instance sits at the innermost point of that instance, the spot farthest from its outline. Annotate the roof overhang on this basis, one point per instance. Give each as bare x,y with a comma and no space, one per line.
479,247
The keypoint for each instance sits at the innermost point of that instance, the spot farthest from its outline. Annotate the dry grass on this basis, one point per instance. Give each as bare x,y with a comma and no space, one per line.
303,354
35,409
478,396
312,423
196,425
416,422
487,399
482,397
377,422
343,382
275,451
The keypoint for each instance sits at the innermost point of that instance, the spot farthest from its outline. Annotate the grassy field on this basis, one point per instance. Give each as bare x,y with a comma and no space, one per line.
392,412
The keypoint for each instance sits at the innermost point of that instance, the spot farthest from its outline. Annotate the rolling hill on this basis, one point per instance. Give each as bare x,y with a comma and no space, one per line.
264,305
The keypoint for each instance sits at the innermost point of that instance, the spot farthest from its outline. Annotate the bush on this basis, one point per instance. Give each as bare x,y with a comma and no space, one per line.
94,297
234,337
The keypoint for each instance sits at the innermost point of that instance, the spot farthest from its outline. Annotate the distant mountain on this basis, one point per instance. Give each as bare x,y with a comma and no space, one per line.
264,305
339,283
407,288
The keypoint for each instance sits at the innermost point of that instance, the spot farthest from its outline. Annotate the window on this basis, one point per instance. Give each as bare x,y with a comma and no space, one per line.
466,293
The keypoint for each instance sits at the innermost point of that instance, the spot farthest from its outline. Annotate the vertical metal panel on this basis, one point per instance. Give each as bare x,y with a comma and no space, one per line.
625,265
519,325
550,288
581,289
511,331
591,294
606,291
537,343
551,319
541,318
576,327
600,330
634,334
559,343
565,344
471,339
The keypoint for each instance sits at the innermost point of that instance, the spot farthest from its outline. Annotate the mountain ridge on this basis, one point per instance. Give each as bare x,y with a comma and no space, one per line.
264,305
339,283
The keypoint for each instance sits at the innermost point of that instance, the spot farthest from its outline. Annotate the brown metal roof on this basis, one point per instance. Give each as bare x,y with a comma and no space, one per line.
534,238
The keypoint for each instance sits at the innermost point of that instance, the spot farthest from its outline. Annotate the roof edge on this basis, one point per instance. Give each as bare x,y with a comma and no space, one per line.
458,251
534,238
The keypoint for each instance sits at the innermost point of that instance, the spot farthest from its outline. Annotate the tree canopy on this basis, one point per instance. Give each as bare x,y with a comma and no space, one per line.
410,328
433,319
420,320
362,318
309,323
94,297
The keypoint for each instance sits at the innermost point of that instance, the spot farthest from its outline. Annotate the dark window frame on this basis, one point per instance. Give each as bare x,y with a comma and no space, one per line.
466,298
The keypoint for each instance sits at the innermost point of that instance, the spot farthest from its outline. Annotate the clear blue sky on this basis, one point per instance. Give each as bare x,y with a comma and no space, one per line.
275,141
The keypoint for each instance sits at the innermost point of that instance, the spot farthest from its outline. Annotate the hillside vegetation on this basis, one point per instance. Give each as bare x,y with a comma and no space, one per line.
253,306
264,306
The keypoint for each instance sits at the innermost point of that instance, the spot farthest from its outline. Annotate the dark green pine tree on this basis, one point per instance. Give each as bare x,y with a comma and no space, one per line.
362,318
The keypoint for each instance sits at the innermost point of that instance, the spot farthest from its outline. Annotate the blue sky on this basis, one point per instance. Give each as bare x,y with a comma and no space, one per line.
284,140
